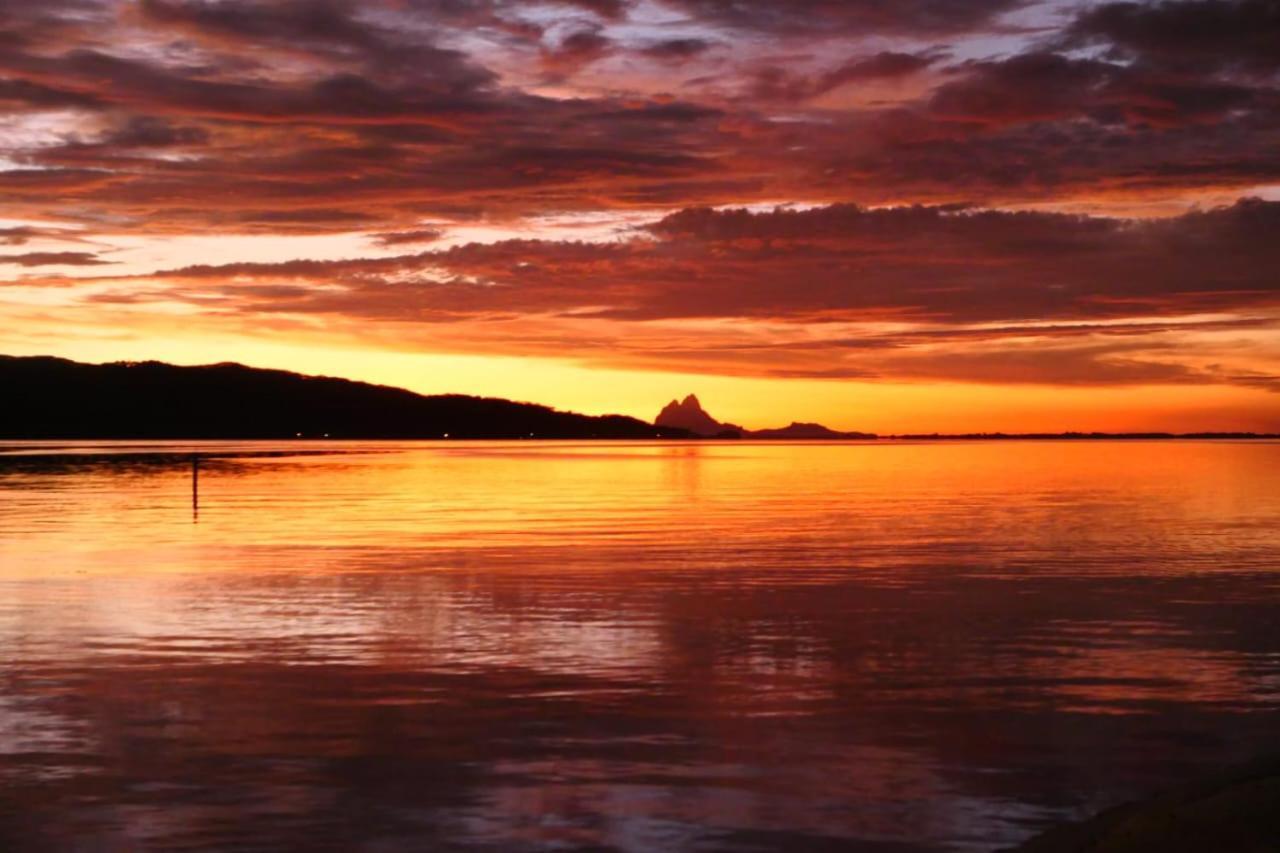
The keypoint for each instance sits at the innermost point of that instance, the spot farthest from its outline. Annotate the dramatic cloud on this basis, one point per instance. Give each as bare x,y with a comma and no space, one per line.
933,159
774,83
575,51
23,234
138,111
841,263
912,292
1190,35
401,238
677,50
844,17
49,259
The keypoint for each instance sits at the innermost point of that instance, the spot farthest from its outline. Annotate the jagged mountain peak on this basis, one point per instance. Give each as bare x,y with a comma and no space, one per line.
690,415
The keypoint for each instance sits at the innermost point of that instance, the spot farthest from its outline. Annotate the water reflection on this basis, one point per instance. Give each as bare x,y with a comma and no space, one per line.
652,646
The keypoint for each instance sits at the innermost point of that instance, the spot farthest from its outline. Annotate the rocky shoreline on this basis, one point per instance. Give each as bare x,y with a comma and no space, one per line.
1235,812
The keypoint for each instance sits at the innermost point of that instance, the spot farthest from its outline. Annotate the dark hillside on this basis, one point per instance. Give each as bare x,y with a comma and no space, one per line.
54,398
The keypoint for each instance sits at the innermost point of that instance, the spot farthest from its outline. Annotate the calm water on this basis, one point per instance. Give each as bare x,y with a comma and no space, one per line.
655,646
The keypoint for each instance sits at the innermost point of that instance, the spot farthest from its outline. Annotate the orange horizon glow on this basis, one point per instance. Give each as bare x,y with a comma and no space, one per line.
883,408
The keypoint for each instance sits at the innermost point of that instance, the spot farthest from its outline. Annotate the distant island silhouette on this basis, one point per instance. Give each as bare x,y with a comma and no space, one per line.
55,398
688,414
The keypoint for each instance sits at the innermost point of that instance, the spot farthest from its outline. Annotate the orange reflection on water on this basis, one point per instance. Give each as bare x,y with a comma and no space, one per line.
634,645
474,495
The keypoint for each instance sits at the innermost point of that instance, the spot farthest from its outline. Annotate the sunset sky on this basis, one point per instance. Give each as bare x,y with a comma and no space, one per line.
897,216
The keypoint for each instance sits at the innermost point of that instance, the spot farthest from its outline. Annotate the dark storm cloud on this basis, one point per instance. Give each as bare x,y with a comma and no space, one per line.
241,105
972,265
36,184
18,236
402,238
48,259
1038,87
395,121
309,216
153,132
829,266
24,24
344,97
28,95
613,10
312,116
774,83
22,234
1194,35
840,263
331,30
919,293
677,50
844,17
574,52
315,22
881,65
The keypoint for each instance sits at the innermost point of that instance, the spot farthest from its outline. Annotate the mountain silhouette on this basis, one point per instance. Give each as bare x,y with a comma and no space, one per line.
798,430
49,397
688,414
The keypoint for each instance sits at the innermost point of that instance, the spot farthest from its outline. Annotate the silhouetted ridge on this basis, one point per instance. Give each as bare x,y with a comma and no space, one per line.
49,397
689,414
807,431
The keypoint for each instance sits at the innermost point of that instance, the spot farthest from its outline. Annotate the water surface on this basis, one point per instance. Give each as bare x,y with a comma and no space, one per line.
645,646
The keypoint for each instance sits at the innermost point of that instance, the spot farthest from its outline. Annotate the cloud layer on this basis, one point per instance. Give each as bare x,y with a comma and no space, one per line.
990,190
200,113
839,291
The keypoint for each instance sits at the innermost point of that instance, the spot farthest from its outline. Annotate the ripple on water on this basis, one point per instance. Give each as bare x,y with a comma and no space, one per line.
640,646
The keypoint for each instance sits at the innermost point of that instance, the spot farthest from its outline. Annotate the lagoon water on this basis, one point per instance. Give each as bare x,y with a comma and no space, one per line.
632,646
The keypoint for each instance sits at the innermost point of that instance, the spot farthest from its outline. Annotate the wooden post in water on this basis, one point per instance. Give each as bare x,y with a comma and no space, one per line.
195,487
